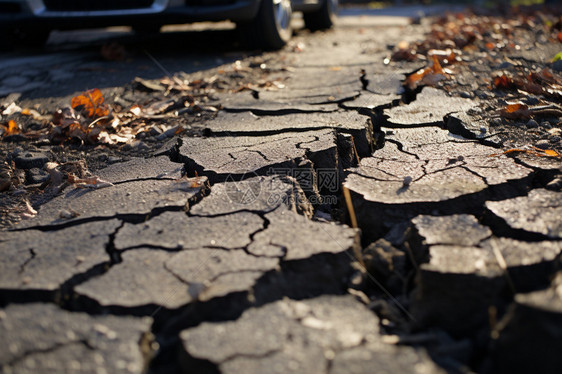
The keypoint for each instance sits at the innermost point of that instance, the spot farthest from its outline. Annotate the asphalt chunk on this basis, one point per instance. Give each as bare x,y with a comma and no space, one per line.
258,194
241,155
292,336
139,198
539,212
37,262
534,317
141,168
429,109
149,278
44,337
460,230
175,230
297,237
428,171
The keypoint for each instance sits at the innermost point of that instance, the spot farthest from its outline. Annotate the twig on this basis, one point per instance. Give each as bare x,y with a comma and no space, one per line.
158,64
502,264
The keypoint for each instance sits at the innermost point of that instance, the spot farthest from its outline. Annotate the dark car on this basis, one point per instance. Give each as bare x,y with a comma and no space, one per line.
264,23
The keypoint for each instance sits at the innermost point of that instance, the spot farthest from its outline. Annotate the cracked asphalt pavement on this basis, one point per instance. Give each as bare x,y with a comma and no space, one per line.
232,247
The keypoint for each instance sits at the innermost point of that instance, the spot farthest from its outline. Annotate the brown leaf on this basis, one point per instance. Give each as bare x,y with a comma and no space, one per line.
516,111
92,102
503,82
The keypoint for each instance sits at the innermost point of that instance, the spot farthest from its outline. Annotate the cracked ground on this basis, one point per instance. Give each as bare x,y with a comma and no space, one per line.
324,226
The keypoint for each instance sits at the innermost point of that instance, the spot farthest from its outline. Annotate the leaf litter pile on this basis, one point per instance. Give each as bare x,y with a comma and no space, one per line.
93,129
510,65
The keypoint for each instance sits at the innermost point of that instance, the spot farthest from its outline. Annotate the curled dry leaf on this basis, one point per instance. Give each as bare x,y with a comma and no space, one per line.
11,109
430,75
90,182
29,211
516,111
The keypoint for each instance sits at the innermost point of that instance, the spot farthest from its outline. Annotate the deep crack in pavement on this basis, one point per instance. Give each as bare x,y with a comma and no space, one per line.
233,252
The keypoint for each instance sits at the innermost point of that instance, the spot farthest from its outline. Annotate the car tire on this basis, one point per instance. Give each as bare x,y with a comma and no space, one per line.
323,18
271,28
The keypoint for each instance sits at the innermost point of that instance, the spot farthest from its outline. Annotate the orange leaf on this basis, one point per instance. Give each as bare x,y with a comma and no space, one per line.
551,153
413,79
516,111
26,112
13,128
92,102
512,108
560,37
437,66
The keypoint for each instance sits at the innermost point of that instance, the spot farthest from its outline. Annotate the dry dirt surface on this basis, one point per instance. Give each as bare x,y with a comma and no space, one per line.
381,197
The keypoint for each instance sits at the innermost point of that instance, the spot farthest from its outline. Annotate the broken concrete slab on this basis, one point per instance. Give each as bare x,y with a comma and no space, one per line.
534,318
268,337
458,229
539,212
471,127
151,277
295,237
247,101
257,194
385,359
457,284
139,198
461,282
220,157
217,273
140,280
429,109
40,263
43,337
530,265
247,123
410,175
176,231
371,100
140,169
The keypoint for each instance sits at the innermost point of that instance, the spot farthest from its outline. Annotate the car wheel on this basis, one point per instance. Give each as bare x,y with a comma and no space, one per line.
322,18
271,28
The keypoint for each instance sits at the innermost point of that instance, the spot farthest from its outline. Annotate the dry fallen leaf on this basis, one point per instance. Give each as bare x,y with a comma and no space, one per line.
533,151
11,129
91,182
91,102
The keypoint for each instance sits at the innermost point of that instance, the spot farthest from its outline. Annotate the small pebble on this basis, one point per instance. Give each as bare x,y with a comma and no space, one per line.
531,100
466,95
555,184
505,65
542,144
546,125
532,124
555,139
407,180
496,122
557,65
